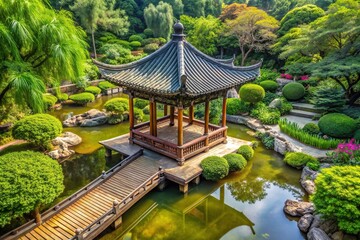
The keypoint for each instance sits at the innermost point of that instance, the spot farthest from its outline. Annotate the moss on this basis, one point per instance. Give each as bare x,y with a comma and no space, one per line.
293,91
337,125
105,85
214,168
82,98
246,151
94,90
252,93
298,159
236,162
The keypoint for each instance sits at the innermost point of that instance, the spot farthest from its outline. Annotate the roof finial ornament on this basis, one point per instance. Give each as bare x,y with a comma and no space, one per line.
178,28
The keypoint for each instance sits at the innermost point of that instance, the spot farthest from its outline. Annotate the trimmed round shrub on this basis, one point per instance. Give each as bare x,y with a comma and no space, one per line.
62,97
246,151
235,106
146,110
38,129
49,100
135,38
105,85
94,90
82,98
269,85
28,180
293,91
141,103
311,128
150,48
252,93
236,162
298,160
337,125
115,119
117,105
214,168
138,114
135,44
337,196
148,33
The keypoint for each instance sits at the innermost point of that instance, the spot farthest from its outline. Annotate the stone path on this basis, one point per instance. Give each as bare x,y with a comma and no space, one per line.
15,142
301,121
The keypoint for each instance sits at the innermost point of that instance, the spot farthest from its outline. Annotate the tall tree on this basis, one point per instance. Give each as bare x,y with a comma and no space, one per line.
254,30
194,8
213,7
95,13
38,48
232,11
159,19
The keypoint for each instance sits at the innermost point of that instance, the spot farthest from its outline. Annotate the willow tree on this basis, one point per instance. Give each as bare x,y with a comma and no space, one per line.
159,19
254,29
37,48
95,13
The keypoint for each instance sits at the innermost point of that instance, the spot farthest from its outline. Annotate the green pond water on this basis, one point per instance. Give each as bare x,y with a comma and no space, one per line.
245,205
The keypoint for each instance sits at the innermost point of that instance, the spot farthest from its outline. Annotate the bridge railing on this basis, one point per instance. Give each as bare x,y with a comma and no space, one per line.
25,228
119,208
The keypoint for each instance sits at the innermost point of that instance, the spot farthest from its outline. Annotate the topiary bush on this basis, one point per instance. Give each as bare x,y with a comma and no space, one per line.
62,97
94,90
293,91
235,106
298,160
311,128
337,125
148,33
137,38
49,100
82,98
38,129
138,114
236,162
214,168
337,196
135,45
141,103
28,180
150,48
269,85
146,110
252,93
117,105
246,151
105,85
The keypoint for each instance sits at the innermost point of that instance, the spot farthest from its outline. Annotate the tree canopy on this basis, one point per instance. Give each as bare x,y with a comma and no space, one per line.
159,19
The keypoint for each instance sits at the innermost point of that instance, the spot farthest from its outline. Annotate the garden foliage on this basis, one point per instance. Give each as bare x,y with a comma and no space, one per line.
105,85
311,128
93,89
214,168
140,103
252,93
117,105
246,151
236,161
235,106
293,91
269,85
337,125
82,98
298,159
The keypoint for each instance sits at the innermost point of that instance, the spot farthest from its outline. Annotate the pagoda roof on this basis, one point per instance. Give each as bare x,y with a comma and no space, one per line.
179,68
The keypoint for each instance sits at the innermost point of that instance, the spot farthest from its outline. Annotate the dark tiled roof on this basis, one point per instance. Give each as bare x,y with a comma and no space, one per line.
178,67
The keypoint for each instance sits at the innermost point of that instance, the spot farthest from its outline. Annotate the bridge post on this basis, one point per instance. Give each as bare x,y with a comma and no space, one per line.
79,234
116,211
162,183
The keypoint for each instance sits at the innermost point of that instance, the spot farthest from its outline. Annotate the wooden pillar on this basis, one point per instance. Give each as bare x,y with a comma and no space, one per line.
172,115
131,115
151,117
165,109
191,113
180,126
223,120
155,119
207,119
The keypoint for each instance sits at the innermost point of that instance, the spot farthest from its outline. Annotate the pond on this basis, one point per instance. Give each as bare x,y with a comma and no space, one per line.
245,205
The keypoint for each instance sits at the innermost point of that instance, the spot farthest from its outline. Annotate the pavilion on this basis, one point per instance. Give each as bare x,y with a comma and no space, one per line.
180,76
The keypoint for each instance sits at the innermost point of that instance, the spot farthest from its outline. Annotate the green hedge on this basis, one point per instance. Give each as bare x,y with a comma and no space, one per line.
337,196
214,168
49,100
94,90
298,159
28,180
105,85
62,97
141,103
311,128
269,85
146,110
246,151
235,106
252,93
293,91
337,125
82,98
236,162
294,131
117,105
150,48
38,129
138,114
137,38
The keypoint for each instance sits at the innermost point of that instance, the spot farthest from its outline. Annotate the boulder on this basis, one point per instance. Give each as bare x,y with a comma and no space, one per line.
307,179
305,222
94,113
339,235
232,93
328,226
309,186
94,121
90,118
71,139
298,208
276,103
61,150
317,234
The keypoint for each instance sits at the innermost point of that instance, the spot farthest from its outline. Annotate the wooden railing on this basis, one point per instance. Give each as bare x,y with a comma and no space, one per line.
119,208
14,234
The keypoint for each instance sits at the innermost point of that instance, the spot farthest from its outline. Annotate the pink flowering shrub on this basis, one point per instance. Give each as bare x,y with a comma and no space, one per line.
286,76
304,77
346,153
